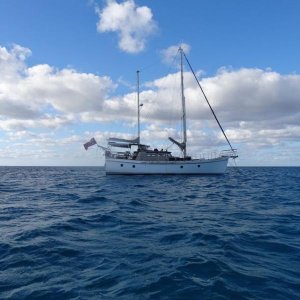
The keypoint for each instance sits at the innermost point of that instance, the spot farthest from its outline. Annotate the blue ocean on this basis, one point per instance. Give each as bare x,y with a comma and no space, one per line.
74,233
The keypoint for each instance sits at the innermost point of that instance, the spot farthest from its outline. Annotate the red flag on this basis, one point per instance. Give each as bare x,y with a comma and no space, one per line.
90,143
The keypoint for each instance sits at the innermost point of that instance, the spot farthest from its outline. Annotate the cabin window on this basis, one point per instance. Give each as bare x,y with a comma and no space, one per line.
198,166
181,167
121,165
133,166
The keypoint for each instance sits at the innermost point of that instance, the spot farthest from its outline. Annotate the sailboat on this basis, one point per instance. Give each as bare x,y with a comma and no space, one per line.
145,160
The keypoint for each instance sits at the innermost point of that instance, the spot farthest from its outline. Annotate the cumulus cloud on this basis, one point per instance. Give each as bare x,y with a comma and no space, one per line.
244,95
12,63
133,24
67,90
46,121
254,94
259,109
241,98
29,94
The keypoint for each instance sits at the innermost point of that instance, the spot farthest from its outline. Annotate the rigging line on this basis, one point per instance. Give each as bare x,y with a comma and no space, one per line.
236,167
208,102
150,65
172,64
156,61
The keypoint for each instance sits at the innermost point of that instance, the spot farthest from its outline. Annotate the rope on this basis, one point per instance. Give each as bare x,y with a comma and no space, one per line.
208,102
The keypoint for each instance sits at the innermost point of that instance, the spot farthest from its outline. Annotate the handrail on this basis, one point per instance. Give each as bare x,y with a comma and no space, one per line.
231,153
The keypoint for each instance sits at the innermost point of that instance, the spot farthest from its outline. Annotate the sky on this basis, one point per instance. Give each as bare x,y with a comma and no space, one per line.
68,73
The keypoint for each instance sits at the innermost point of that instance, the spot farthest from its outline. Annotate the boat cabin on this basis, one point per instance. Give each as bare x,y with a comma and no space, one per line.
151,155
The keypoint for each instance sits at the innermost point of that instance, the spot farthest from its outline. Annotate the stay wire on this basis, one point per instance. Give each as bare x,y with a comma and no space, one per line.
208,102
155,62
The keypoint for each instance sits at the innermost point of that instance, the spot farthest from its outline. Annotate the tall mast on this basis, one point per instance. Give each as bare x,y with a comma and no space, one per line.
183,103
138,102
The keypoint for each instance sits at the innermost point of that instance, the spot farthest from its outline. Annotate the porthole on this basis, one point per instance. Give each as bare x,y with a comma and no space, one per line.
133,166
121,165
181,167
198,166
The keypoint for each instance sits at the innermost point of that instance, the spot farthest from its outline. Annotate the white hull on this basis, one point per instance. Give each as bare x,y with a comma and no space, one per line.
195,166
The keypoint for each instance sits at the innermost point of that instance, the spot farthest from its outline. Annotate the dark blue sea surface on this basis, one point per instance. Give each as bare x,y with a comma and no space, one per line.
74,233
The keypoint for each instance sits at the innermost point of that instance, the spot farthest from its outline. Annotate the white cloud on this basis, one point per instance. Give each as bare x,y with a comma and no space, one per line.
133,24
253,95
259,109
67,90
47,121
12,62
245,95
246,99
44,96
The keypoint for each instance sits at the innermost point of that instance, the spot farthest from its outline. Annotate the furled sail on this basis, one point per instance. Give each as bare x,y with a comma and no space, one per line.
180,145
122,143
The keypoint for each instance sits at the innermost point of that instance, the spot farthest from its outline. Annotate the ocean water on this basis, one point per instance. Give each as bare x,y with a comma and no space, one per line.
74,233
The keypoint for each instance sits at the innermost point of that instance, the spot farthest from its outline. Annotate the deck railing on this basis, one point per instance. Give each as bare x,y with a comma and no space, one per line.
232,153
204,155
216,154
119,155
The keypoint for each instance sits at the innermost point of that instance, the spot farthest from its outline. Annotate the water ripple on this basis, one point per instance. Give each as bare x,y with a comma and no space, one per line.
73,233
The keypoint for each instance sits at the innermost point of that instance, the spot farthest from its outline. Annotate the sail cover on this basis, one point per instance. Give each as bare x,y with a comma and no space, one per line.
122,143
180,145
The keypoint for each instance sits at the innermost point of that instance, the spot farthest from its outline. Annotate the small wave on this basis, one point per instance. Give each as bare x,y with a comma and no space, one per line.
201,269
138,203
92,199
72,233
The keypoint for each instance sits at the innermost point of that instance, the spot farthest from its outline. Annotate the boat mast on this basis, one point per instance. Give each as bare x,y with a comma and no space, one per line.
138,102
183,103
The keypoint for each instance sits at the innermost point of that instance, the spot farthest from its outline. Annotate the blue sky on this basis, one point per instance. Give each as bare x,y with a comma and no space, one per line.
68,73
